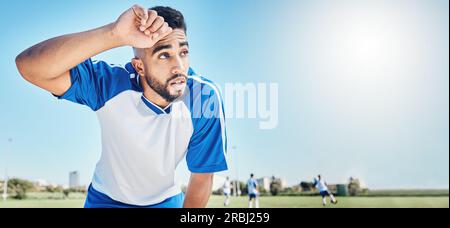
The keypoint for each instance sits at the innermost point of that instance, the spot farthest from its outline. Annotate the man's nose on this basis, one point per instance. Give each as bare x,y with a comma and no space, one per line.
178,70
179,67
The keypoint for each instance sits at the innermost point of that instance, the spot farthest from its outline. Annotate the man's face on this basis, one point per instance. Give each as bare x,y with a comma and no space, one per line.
166,65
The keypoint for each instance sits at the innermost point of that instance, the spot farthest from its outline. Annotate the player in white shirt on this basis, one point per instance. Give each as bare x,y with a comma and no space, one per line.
252,187
153,112
227,191
321,185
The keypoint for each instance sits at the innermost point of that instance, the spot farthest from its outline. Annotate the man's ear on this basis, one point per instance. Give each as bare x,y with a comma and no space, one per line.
138,66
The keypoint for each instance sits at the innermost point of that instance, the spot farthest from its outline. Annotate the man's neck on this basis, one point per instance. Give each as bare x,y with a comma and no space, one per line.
154,97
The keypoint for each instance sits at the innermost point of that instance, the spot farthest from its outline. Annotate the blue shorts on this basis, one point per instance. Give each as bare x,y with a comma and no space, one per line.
96,199
325,193
252,196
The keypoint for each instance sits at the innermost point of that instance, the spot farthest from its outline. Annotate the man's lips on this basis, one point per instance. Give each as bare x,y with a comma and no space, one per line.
178,81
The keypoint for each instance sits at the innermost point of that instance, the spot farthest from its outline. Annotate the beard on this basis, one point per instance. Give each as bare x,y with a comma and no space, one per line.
163,88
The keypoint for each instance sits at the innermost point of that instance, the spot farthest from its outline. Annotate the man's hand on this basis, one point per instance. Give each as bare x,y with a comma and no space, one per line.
140,28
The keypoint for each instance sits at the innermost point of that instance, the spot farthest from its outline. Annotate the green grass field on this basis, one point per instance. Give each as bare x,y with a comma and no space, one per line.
266,202
343,202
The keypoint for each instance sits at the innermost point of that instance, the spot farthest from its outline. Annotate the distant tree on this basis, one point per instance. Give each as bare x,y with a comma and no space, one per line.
244,189
307,186
18,188
296,188
66,192
53,189
275,186
354,187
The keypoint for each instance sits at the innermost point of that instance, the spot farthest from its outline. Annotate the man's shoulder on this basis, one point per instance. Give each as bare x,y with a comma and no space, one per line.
203,90
196,82
125,75
202,93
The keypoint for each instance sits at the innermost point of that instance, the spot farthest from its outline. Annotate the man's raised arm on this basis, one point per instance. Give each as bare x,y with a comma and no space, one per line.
47,64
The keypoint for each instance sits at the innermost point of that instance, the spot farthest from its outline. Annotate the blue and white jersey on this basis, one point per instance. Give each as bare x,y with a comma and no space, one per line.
142,144
252,186
321,185
227,187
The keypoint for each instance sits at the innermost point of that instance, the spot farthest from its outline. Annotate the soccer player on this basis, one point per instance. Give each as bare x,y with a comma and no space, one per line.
323,190
153,112
227,191
252,187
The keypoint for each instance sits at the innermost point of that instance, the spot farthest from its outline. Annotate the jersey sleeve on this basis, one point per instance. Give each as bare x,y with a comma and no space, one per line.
207,148
94,83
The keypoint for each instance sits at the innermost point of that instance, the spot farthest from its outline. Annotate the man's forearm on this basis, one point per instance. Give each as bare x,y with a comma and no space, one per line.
52,58
199,191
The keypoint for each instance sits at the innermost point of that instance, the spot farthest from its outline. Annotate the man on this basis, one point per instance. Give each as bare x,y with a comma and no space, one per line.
323,190
227,191
252,187
152,112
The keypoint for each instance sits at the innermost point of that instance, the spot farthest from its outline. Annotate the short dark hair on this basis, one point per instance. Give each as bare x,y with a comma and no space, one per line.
251,175
173,17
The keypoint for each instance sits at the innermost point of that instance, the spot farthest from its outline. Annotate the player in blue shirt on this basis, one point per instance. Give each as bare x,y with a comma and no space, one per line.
153,112
252,187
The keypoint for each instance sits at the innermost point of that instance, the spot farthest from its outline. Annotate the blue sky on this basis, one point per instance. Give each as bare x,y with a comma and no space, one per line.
363,87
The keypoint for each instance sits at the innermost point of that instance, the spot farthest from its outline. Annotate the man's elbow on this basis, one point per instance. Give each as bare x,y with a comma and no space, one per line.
24,68
21,67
